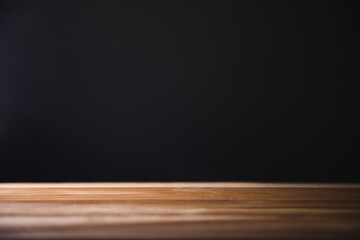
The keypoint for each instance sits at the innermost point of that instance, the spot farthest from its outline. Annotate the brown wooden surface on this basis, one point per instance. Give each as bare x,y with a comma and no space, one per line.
180,211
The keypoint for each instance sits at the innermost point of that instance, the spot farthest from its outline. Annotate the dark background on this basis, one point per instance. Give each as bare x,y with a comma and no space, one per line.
178,91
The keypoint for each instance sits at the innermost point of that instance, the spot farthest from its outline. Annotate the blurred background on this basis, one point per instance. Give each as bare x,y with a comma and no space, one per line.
179,91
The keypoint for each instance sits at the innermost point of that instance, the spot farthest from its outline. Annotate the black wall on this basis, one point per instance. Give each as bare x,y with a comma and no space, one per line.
178,91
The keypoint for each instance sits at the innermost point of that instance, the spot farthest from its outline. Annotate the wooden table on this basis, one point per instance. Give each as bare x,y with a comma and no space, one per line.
179,211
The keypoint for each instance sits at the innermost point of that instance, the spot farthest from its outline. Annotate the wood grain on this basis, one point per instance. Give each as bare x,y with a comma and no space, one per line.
179,211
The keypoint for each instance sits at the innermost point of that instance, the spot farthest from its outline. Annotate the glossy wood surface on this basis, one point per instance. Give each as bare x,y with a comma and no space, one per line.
179,211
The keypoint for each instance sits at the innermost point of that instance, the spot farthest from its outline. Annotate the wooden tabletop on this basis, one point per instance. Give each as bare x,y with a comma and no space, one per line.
179,211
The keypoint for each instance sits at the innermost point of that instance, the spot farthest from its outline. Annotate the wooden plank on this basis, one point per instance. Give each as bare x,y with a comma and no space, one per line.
179,211
179,184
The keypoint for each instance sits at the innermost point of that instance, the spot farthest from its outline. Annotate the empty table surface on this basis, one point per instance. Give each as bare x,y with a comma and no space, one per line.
179,211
